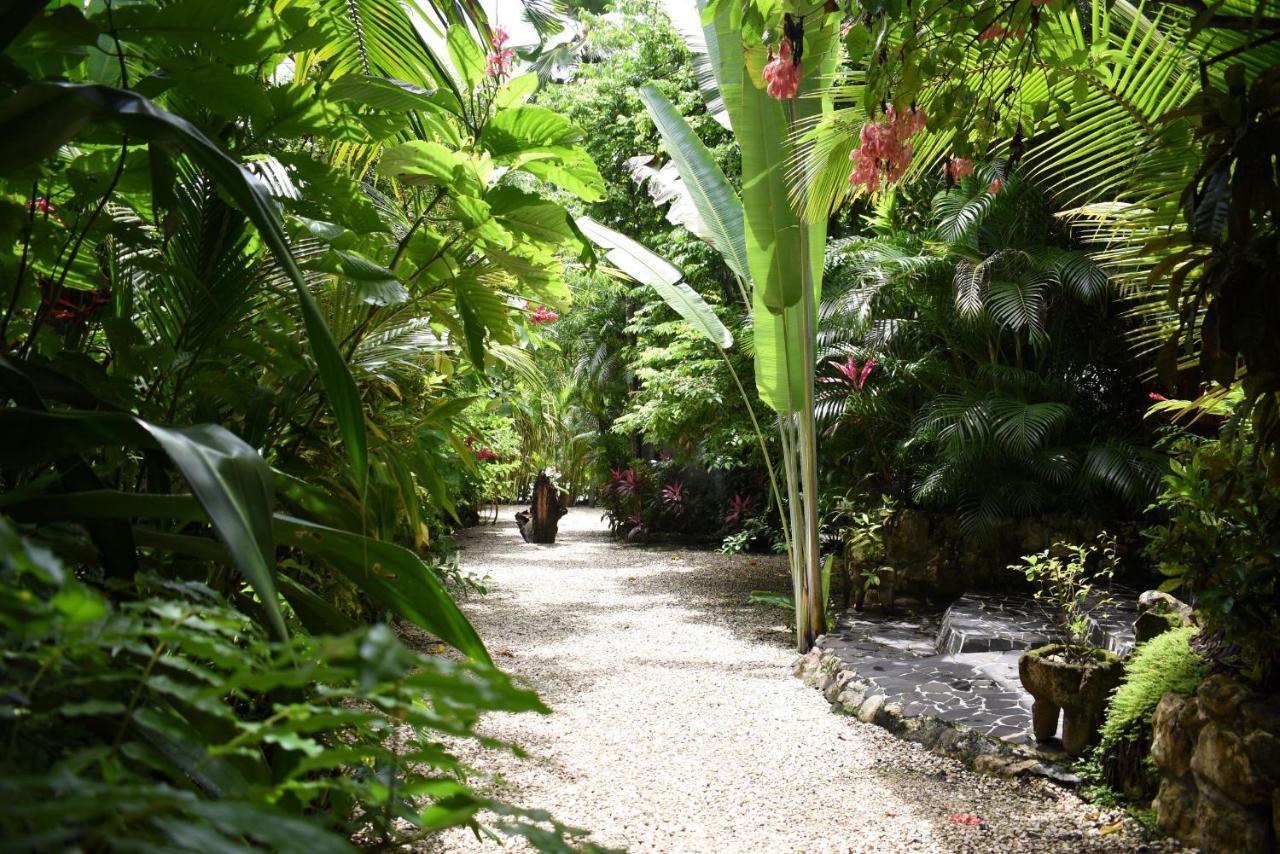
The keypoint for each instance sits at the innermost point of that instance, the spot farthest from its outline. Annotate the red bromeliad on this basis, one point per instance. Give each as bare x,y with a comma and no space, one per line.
854,375
739,509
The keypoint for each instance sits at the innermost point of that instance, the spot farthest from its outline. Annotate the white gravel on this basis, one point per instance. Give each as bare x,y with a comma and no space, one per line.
677,726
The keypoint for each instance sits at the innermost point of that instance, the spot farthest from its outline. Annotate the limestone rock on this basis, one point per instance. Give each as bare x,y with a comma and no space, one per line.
1221,695
870,708
1221,759
1175,806
1171,745
1227,827
1263,749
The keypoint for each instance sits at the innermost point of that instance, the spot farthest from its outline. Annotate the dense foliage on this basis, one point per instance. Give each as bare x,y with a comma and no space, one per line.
261,268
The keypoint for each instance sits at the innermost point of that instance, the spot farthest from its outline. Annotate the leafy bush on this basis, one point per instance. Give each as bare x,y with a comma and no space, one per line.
1163,664
171,719
1071,590
1220,543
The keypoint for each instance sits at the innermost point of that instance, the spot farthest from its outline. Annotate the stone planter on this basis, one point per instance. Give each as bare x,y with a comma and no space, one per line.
1078,690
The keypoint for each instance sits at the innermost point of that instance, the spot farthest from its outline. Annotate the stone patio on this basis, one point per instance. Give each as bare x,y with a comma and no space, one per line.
918,671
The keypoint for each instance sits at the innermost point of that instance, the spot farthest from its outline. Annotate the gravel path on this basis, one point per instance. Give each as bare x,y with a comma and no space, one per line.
677,726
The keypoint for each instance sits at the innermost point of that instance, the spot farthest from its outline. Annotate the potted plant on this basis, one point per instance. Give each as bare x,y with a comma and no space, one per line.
1072,677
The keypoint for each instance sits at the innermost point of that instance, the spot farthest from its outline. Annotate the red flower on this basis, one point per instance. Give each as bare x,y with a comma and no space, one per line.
1156,396
965,818
501,58
885,153
485,455
44,206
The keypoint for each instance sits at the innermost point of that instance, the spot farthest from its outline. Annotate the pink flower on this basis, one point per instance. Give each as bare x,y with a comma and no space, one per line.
884,152
966,818
1156,396
782,74
542,315
485,455
44,206
994,186
500,59
957,168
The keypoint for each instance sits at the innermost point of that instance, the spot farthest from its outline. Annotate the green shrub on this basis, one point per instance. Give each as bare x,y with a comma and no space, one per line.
170,721
1219,544
1163,664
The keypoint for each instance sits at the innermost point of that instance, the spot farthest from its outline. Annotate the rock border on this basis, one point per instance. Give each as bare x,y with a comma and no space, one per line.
849,695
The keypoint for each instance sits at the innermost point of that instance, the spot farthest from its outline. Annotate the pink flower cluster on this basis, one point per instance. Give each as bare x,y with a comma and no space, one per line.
996,31
485,455
885,153
501,58
957,168
994,186
782,74
542,315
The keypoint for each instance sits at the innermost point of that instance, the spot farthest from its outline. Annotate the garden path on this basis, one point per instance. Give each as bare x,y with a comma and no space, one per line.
677,725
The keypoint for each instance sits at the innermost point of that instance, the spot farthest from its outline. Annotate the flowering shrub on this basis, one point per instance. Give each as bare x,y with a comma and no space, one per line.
884,152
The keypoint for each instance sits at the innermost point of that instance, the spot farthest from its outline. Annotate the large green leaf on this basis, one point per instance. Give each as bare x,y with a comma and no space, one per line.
394,576
41,117
228,478
658,273
713,196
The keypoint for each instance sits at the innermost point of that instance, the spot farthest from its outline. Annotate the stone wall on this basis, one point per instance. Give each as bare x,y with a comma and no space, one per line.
1219,757
933,559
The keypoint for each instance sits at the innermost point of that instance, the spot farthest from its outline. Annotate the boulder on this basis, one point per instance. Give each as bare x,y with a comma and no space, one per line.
1175,805
1220,695
1158,612
1171,744
1221,758
1227,827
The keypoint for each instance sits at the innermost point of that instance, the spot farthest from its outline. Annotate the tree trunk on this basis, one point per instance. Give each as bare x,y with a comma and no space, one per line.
545,512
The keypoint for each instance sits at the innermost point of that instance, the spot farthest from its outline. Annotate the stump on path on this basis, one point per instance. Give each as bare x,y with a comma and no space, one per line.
539,523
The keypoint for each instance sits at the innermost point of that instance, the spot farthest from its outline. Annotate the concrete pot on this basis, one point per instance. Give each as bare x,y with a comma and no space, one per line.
1078,690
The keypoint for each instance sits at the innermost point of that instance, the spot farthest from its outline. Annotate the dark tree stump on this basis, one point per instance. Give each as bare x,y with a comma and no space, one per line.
544,513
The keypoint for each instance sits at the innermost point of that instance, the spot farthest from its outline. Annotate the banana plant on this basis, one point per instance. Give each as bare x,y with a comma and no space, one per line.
768,93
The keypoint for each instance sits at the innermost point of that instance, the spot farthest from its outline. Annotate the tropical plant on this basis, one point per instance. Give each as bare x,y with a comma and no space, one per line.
1072,585
1217,542
311,232
957,371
